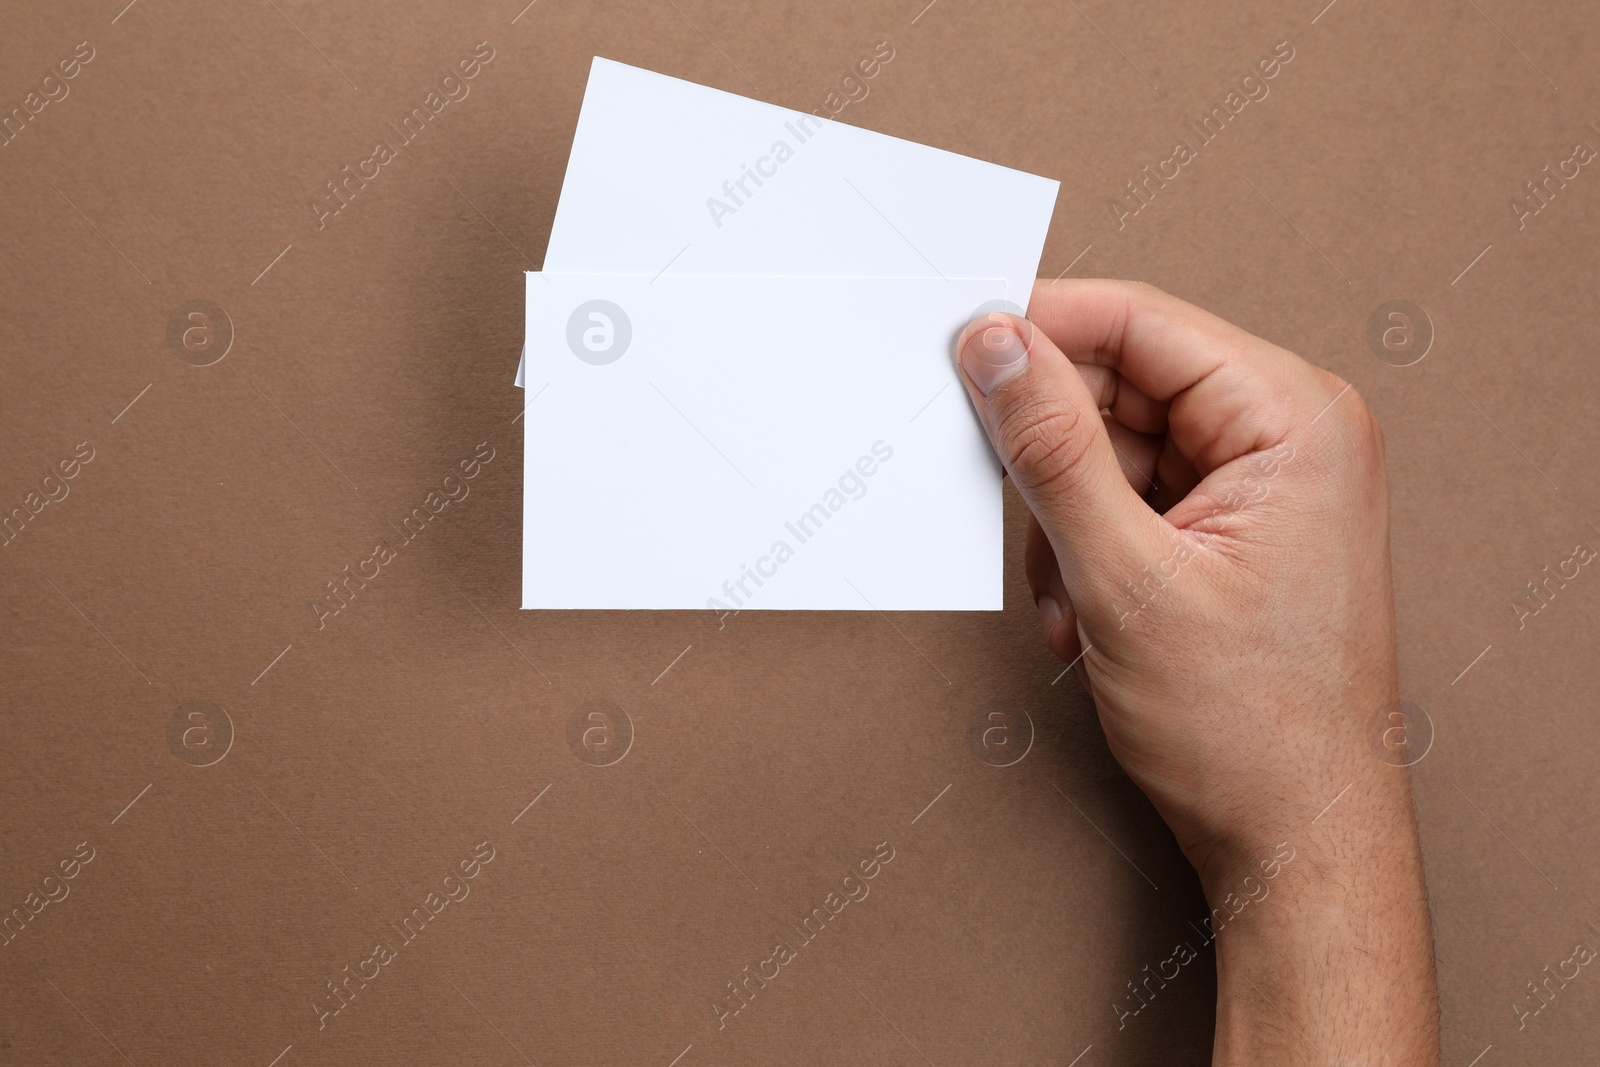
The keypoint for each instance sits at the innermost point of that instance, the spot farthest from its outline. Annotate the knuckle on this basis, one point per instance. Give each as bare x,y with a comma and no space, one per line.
1368,420
1364,430
1352,442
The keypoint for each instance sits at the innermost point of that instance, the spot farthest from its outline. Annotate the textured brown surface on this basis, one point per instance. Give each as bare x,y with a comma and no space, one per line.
369,758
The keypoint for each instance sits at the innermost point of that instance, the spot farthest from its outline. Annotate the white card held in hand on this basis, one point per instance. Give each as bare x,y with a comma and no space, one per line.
670,177
751,443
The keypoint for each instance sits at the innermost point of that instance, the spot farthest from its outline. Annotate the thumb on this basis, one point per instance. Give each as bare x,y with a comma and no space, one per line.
1047,430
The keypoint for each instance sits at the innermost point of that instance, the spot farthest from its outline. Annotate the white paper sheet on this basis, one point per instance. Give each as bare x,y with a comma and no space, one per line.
670,177
753,443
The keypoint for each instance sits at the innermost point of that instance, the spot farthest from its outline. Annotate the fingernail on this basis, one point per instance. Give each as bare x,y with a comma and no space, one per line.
1049,612
992,356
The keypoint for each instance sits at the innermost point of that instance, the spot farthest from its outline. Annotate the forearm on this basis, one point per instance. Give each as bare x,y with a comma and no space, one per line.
1335,965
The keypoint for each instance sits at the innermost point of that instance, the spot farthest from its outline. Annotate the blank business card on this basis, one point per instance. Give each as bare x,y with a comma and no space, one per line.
669,177
747,443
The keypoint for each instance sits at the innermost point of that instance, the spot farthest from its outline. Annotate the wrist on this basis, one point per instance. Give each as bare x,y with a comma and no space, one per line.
1356,814
1324,940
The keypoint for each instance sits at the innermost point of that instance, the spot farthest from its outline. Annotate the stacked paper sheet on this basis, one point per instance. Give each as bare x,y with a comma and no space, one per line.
741,385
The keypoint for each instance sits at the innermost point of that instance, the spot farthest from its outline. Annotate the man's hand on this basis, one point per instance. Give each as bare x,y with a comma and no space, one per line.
1210,549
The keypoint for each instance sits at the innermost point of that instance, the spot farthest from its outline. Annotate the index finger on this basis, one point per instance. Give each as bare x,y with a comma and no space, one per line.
1229,393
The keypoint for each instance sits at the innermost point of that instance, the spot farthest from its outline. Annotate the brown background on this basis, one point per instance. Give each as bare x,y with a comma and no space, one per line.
370,757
